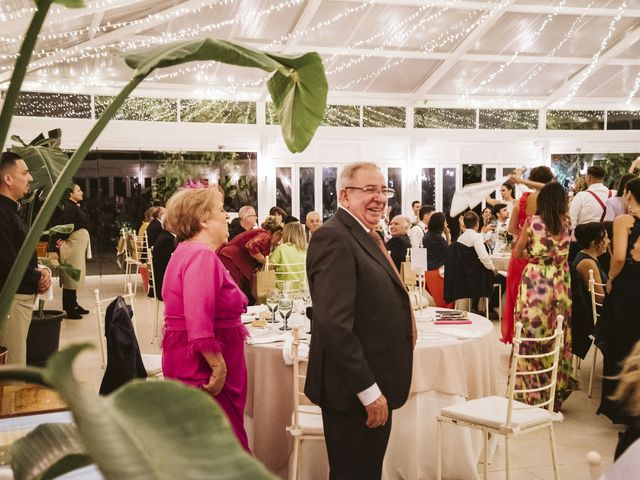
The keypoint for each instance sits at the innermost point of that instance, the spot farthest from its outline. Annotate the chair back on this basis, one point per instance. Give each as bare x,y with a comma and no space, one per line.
151,270
296,273
548,374
100,309
300,400
594,296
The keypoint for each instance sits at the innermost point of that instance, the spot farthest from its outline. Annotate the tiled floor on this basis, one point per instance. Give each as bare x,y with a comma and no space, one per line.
581,431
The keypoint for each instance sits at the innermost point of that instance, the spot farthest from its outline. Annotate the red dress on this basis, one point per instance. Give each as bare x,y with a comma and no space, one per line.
236,257
514,275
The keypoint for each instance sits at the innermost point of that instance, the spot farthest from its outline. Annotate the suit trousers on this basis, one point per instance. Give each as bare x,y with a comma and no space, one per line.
15,331
355,451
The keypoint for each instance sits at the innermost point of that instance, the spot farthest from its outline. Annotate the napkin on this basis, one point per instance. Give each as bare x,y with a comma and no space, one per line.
463,331
267,338
287,354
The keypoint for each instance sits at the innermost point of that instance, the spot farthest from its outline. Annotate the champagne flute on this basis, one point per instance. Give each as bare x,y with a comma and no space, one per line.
285,305
273,297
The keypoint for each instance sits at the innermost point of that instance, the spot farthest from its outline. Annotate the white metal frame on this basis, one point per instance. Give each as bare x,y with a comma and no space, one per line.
156,301
594,310
457,415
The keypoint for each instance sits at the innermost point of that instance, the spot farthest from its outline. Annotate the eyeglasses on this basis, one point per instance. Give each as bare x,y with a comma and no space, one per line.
371,190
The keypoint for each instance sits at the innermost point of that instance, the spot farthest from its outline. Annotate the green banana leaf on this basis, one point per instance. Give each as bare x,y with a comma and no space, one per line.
298,87
144,430
64,229
64,267
45,160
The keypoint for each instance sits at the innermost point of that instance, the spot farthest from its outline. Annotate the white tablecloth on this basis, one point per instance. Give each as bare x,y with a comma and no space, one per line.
501,261
451,363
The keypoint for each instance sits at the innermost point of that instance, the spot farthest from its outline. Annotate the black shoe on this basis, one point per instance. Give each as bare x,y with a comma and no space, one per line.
81,311
73,315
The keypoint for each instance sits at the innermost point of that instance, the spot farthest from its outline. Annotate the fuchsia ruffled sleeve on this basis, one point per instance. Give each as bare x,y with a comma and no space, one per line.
202,280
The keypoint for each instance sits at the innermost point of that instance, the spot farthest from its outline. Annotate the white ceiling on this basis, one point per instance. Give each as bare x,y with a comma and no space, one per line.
512,53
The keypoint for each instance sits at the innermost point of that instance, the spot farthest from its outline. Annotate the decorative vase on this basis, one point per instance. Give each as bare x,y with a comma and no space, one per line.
44,337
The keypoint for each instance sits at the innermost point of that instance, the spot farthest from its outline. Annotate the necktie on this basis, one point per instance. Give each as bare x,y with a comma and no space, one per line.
376,238
378,241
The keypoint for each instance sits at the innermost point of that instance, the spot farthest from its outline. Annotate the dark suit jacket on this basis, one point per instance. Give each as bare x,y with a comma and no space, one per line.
165,245
464,274
397,247
361,333
153,231
124,361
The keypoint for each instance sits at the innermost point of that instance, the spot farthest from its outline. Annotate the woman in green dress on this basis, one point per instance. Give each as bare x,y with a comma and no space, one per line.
545,292
290,256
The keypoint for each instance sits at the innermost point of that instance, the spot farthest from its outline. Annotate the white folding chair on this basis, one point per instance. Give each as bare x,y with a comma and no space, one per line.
131,258
306,420
595,465
152,362
505,415
594,309
293,272
499,301
156,301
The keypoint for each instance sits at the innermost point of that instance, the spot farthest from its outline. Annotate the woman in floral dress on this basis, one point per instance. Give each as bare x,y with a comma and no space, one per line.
545,291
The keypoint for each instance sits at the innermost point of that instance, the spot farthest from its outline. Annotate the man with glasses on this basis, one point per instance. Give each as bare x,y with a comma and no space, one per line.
363,332
247,220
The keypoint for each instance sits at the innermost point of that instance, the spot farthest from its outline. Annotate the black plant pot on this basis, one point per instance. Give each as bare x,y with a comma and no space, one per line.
44,337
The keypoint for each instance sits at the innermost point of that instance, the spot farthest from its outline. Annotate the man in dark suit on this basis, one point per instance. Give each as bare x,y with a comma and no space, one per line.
155,226
162,251
363,333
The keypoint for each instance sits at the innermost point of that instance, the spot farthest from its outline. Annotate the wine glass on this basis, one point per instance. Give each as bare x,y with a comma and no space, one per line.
285,305
273,297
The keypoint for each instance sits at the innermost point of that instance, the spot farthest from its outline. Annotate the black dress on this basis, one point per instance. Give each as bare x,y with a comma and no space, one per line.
581,310
621,327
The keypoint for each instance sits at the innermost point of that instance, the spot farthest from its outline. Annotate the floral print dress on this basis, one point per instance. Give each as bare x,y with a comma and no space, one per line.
543,294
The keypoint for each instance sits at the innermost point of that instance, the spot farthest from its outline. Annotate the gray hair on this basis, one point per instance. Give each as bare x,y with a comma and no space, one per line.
312,213
405,219
244,211
349,172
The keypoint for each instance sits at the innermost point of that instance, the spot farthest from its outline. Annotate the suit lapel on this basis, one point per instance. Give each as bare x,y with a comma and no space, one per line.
367,243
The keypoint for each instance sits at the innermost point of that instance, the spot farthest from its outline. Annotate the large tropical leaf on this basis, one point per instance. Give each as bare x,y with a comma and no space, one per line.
69,3
145,430
45,160
298,87
64,449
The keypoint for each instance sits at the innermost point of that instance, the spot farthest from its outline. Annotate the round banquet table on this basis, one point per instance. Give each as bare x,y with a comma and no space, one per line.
451,363
501,261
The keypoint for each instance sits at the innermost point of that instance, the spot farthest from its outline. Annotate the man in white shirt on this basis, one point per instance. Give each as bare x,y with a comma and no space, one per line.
471,237
590,205
416,234
415,208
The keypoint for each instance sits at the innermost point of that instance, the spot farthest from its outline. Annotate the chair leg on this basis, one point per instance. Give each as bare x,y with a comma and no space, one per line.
500,302
135,280
507,457
593,369
439,448
127,269
102,365
485,469
296,452
155,320
554,456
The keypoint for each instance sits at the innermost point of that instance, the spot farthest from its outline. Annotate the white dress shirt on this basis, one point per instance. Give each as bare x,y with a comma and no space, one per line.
471,238
371,394
584,208
416,234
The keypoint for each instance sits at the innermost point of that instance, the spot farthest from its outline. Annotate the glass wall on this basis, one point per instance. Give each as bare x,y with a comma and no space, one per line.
329,195
394,180
449,178
307,191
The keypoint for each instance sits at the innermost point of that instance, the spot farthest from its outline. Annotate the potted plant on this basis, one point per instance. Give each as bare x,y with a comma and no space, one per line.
128,434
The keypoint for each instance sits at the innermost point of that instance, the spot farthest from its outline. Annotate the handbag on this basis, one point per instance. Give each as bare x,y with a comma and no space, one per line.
263,281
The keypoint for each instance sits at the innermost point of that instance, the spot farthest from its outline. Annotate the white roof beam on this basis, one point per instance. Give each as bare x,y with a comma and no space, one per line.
113,36
467,57
439,73
515,8
96,21
626,40
302,24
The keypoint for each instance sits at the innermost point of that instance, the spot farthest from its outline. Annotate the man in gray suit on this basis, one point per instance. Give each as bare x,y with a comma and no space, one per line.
363,332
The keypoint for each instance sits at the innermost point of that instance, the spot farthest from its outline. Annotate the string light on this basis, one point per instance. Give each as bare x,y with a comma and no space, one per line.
445,118
633,92
531,38
27,12
603,45
393,117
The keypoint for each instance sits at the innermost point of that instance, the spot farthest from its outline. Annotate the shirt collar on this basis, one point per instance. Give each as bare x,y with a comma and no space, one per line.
8,201
366,229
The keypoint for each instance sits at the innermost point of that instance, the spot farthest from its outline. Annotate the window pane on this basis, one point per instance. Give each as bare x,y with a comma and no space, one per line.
429,186
444,118
575,120
387,117
395,181
210,111
490,174
283,188
341,116
506,171
623,121
448,187
329,194
307,192
472,173
55,105
508,119
141,108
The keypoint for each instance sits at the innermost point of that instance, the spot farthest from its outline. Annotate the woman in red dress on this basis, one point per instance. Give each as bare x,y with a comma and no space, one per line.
246,252
526,206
